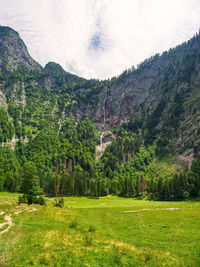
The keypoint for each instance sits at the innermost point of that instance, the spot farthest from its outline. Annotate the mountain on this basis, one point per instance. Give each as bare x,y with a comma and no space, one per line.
98,129
159,99
14,53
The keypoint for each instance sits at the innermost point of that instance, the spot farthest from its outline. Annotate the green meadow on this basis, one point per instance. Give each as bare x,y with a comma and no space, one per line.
108,231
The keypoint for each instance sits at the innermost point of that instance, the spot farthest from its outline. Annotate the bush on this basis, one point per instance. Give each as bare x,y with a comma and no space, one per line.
88,240
60,203
34,200
22,199
73,224
117,256
40,200
92,228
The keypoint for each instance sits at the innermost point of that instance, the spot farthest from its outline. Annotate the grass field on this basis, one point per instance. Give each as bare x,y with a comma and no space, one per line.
108,231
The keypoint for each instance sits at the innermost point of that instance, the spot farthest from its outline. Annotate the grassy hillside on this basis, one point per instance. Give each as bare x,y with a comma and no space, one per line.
108,231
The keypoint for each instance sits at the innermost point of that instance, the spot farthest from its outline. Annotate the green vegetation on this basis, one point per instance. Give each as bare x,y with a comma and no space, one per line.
100,232
48,143
65,164
30,184
46,121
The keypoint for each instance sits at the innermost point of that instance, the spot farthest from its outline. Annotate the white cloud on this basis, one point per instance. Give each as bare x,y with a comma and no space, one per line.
100,38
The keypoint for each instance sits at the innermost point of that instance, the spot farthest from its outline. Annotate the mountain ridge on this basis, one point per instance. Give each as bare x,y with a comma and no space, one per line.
159,99
14,53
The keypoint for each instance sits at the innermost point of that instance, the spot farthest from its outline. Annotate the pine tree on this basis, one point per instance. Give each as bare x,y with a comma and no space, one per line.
30,182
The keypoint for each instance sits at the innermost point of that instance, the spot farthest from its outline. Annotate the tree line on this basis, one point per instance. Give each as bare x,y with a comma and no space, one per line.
67,165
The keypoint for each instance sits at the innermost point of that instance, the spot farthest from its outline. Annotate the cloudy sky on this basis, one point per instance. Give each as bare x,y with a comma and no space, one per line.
100,38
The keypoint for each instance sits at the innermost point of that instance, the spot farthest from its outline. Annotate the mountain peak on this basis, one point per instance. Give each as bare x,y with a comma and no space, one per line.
57,69
54,67
6,31
14,53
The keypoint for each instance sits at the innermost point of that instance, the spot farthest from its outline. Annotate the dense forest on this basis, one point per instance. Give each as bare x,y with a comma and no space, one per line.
51,123
67,165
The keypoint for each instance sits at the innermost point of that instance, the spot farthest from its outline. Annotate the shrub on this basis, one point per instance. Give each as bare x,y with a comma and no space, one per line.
117,256
73,224
22,199
92,228
88,240
35,200
60,203
40,200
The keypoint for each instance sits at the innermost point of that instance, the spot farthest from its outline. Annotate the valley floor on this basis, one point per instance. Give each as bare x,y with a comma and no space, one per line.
108,231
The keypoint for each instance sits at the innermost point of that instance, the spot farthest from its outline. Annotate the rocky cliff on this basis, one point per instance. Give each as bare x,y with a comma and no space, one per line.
13,52
160,100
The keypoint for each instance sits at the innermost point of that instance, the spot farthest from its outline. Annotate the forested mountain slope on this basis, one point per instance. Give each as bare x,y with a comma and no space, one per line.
54,119
161,97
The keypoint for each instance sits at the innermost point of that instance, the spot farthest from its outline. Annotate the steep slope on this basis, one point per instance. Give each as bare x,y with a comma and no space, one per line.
159,100
58,71
13,52
35,98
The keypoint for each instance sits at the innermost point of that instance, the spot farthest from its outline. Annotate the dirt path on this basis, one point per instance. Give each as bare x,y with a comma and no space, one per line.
33,209
8,220
130,211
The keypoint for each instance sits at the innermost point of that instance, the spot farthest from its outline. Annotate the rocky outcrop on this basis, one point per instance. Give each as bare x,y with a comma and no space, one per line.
13,52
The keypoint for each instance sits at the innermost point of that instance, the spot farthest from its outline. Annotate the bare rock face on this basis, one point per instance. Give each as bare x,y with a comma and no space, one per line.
131,89
163,95
13,52
3,102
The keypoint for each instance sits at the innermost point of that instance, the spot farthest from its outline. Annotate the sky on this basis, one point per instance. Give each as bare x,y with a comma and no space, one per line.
100,38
